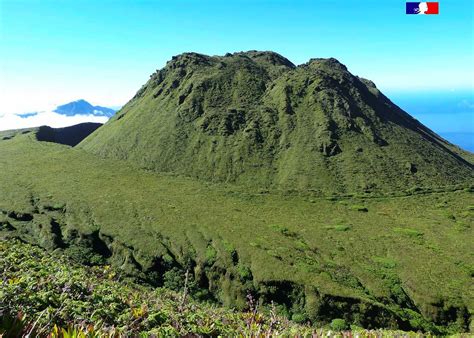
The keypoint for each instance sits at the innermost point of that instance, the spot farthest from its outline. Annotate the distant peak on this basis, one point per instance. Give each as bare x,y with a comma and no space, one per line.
81,101
82,107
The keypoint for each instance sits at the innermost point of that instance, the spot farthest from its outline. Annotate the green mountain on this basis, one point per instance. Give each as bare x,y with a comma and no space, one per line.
302,186
257,120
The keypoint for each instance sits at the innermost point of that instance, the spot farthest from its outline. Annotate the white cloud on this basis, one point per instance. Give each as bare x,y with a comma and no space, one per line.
48,118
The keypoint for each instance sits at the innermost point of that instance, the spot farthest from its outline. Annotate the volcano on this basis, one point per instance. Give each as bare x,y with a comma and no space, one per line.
255,119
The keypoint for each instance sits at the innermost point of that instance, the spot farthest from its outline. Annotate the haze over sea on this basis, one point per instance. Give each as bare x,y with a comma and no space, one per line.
448,113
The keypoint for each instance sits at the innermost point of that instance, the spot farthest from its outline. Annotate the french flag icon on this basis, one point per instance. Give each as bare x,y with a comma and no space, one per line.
422,8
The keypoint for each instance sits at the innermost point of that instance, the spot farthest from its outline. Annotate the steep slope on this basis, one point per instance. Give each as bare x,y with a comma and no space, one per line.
256,119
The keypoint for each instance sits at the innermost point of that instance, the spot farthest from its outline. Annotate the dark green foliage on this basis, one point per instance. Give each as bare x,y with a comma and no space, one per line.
174,279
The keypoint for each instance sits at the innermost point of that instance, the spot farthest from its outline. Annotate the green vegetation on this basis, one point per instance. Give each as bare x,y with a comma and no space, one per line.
257,120
409,232
386,262
45,293
232,241
244,179
339,325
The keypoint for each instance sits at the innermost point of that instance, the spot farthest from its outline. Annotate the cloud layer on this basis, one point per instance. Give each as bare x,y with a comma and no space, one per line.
48,118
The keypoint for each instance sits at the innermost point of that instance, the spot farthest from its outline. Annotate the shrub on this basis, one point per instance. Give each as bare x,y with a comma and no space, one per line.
244,272
55,207
173,279
299,318
339,324
211,254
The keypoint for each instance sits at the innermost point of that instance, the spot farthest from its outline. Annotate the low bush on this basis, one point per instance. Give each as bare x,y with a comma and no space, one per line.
339,324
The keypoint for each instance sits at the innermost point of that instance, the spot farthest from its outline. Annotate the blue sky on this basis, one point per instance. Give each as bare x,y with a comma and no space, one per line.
52,52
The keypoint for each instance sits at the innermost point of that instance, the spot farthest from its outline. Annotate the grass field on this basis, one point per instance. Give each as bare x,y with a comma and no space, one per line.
403,261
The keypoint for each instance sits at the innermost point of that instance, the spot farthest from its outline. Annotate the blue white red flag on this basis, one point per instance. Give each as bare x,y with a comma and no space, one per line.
422,8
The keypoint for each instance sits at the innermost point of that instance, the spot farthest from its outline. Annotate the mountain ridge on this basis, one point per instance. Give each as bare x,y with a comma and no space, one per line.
256,119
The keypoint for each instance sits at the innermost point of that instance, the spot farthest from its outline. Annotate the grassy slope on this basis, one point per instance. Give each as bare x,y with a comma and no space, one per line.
257,120
413,253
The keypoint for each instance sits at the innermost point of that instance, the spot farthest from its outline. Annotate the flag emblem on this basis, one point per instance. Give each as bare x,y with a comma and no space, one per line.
422,8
